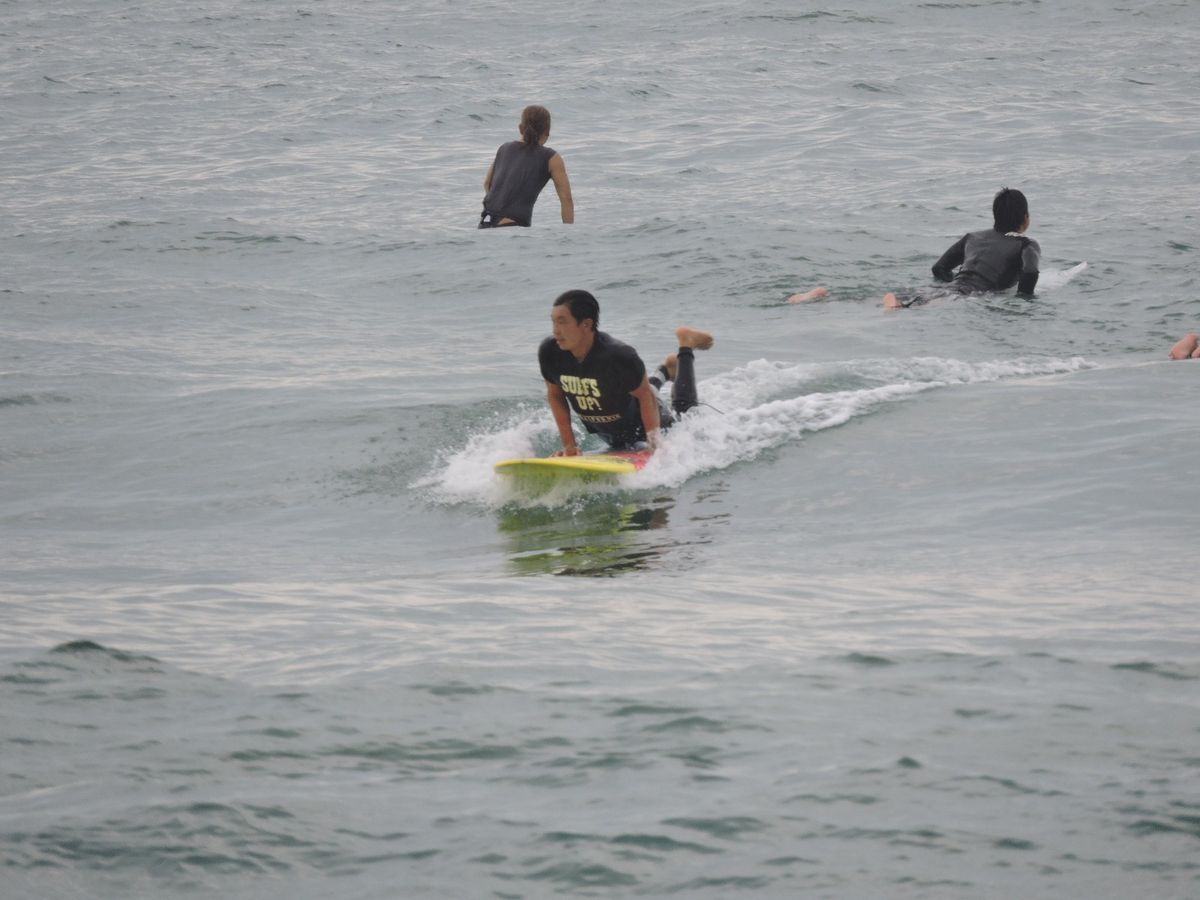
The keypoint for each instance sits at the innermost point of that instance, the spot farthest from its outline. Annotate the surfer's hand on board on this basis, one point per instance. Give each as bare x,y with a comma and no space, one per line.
573,450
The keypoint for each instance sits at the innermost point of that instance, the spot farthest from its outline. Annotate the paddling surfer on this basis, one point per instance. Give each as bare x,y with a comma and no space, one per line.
520,171
604,380
990,260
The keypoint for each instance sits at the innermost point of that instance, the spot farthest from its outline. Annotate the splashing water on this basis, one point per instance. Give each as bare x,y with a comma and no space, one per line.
746,412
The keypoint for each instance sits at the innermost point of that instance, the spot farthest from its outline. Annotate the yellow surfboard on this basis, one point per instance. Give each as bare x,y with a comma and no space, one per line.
544,472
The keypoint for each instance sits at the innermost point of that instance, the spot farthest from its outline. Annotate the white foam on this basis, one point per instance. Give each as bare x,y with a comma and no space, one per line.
467,475
744,416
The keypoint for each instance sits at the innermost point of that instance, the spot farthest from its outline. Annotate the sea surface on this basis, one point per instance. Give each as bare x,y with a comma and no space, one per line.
909,609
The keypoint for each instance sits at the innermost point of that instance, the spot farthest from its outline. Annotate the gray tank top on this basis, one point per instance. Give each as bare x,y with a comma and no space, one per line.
518,176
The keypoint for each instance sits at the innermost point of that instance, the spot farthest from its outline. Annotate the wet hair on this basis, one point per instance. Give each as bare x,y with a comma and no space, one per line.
1009,210
535,122
582,305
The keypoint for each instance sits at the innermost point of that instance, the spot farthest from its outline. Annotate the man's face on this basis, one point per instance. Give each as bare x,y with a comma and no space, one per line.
569,334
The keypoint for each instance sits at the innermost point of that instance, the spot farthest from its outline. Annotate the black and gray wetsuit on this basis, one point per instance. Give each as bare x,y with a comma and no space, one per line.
990,260
519,173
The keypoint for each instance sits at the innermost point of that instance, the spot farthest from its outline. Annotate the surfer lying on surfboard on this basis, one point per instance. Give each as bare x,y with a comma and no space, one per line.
990,260
605,381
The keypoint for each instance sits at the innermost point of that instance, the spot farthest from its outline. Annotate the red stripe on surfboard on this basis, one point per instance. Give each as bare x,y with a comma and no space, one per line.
639,458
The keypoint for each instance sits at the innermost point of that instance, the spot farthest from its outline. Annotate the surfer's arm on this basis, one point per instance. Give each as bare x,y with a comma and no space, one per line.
562,184
943,269
648,406
487,179
561,410
1031,257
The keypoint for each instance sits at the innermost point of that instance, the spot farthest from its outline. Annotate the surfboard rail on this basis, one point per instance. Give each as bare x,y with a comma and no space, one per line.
548,470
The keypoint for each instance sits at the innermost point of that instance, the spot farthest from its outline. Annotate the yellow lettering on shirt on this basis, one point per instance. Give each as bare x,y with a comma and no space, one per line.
585,392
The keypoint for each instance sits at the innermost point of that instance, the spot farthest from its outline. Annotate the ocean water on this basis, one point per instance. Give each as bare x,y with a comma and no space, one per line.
907,610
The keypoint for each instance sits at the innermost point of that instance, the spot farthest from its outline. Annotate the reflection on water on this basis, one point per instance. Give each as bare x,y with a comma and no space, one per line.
598,536
609,533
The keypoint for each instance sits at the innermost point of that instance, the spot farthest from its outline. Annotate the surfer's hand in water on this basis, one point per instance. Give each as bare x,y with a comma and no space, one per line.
569,451
654,438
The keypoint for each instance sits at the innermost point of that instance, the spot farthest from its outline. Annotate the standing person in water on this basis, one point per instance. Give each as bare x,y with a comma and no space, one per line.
520,171
605,381
991,260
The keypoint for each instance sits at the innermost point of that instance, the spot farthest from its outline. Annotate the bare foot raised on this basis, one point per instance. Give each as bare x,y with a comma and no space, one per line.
694,339
890,301
671,364
816,293
1189,345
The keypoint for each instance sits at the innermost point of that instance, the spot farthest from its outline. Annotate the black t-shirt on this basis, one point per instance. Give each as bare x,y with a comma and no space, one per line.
599,388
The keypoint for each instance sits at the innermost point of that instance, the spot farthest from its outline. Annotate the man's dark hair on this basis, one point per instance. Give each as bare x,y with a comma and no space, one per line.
583,306
1009,210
